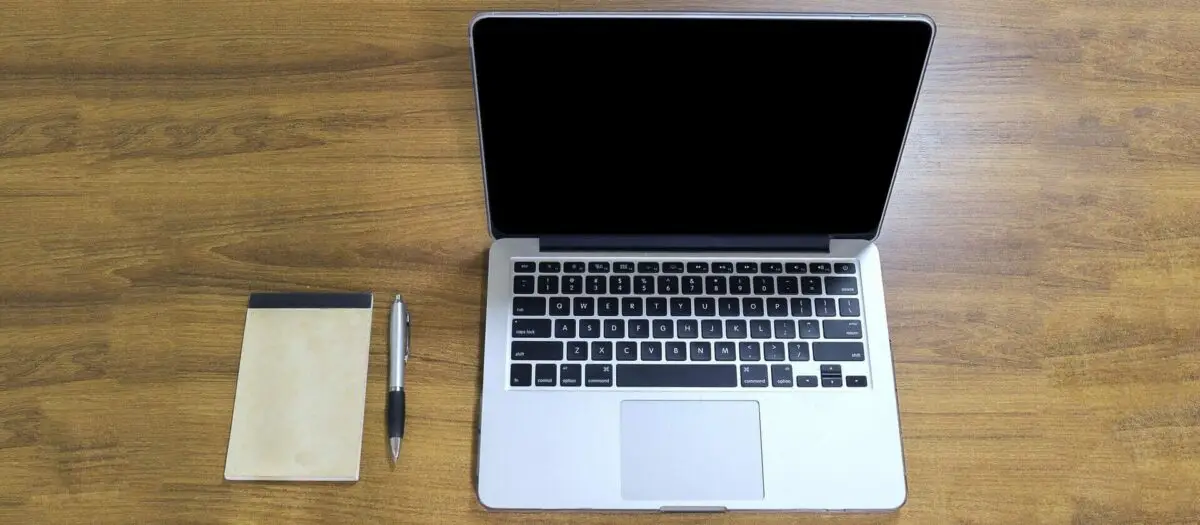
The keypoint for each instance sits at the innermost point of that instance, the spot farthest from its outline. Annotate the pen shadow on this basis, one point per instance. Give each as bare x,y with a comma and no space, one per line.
477,415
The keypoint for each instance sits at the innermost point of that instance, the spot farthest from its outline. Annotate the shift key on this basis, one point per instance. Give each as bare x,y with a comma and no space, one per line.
837,352
537,350
531,328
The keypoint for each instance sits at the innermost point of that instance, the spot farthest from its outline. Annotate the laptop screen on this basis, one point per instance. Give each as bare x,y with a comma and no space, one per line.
693,126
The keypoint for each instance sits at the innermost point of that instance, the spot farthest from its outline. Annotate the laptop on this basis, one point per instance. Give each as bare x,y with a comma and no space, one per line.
685,308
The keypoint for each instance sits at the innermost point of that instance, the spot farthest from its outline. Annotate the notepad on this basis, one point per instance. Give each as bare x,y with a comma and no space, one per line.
301,388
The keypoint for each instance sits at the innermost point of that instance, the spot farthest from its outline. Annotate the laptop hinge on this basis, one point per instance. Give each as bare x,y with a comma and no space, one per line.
685,243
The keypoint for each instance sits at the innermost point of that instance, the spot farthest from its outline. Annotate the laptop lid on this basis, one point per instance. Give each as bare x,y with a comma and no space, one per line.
693,124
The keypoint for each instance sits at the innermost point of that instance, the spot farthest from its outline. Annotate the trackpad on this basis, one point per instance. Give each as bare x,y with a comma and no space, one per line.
691,450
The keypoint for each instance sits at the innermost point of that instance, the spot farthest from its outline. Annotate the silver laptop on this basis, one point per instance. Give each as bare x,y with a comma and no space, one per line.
685,310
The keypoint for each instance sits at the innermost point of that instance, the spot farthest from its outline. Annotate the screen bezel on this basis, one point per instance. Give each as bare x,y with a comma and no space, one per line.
871,235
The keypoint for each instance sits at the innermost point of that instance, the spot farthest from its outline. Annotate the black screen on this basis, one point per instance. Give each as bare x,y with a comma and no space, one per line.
676,125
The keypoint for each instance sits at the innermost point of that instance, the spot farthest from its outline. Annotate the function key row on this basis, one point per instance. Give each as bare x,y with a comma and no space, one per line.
687,285
680,267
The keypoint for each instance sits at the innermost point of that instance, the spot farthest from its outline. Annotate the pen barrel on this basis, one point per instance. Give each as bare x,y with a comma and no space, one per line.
395,413
397,342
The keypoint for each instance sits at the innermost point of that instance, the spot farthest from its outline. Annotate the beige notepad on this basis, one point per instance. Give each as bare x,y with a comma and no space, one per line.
301,388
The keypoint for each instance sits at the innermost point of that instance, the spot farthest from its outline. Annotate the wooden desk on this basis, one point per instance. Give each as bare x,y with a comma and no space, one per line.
159,160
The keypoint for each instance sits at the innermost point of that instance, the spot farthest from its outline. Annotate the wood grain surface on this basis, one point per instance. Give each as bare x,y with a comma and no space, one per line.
159,160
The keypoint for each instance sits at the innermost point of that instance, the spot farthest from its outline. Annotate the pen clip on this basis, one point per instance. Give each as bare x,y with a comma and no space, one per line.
407,336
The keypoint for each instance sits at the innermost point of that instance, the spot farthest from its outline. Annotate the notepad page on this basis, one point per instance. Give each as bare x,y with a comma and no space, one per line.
301,394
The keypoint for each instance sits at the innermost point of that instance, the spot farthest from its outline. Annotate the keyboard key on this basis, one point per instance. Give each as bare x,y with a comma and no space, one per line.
839,329
631,307
825,307
810,285
537,351
788,285
676,351
777,307
676,375
760,329
639,329
773,351
529,306
627,351
570,375
722,267
809,329
614,328
520,374
523,284
686,329
545,374
856,381
797,351
715,285
668,284
820,268
619,284
754,375
764,285
739,285
656,307
806,381
610,307
577,351
643,285
701,351
623,267
681,306
705,307
672,267
697,267
547,284
584,306
831,382
749,352
663,328
848,307
589,328
837,352
531,328
647,267
843,268
595,284
574,267
795,268
602,351
841,285
781,375
693,285
728,307
598,375
710,329
785,329
548,267
598,267
831,370
747,267
772,267
652,351
752,307
524,267
724,351
802,307
564,328
560,306
735,328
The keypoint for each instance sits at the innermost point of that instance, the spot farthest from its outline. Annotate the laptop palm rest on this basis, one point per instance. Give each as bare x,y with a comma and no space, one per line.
691,451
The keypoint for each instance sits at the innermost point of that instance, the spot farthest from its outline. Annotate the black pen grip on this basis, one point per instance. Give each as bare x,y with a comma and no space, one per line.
395,413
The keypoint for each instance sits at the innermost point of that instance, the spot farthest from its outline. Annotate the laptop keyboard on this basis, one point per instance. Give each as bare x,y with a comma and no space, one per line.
655,324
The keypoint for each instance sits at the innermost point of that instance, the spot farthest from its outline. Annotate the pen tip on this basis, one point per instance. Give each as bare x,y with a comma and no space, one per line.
395,444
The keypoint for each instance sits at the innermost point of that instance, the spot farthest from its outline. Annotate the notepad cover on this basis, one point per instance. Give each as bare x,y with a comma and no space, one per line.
301,388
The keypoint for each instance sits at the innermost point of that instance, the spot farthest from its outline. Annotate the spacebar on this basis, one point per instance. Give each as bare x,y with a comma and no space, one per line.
677,375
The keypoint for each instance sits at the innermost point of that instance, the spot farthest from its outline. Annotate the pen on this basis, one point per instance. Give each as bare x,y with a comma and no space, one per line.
398,351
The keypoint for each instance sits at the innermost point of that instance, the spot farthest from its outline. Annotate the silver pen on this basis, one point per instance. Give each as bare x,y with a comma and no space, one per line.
398,351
